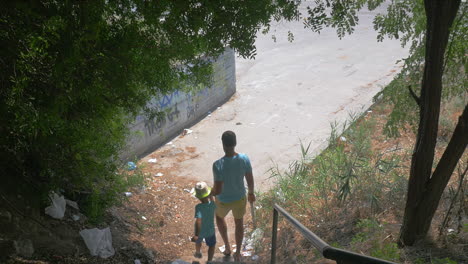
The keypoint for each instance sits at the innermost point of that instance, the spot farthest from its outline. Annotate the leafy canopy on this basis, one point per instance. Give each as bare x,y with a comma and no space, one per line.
74,74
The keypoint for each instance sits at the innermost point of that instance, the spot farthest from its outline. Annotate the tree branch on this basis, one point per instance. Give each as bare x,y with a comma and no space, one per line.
415,97
452,154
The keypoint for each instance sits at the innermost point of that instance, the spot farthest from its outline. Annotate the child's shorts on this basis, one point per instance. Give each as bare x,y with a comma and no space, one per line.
210,241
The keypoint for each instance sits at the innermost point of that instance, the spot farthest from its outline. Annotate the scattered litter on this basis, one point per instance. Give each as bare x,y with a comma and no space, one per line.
257,235
128,194
187,132
187,190
144,218
152,160
255,257
137,261
131,166
75,217
169,143
370,111
57,208
192,192
343,139
209,115
158,174
246,254
238,123
98,241
450,230
72,204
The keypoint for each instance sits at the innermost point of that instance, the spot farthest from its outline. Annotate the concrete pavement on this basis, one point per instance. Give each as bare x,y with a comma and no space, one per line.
289,94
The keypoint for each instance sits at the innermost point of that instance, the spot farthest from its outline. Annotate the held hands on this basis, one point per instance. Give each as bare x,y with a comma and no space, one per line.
194,239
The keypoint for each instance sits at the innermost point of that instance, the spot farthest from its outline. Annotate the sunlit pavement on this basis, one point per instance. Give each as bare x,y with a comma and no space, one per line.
290,94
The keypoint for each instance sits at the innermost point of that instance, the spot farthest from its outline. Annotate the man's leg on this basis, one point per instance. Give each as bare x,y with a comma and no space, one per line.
239,237
222,228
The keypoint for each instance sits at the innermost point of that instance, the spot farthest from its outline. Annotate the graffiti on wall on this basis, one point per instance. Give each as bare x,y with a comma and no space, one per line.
181,108
193,101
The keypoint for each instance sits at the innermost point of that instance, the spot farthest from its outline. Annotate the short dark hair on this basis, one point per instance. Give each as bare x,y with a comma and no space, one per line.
229,139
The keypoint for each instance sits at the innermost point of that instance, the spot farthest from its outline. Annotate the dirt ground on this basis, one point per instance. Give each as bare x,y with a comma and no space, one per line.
160,217
152,225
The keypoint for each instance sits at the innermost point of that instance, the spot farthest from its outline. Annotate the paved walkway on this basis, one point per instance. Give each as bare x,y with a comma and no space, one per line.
291,93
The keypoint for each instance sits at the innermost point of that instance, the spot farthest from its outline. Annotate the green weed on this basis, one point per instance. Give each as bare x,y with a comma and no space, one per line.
388,251
110,192
435,261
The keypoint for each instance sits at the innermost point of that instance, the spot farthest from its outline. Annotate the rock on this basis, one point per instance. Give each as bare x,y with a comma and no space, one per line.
24,247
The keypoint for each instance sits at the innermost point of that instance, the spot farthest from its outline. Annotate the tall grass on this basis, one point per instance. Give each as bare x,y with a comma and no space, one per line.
347,173
348,176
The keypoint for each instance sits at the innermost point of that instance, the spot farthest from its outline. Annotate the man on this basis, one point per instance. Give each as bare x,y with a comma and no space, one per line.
228,174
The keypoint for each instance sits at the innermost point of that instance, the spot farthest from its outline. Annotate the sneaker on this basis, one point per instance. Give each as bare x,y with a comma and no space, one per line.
198,255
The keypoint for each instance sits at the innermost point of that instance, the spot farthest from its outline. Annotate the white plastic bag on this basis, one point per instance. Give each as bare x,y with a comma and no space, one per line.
57,208
98,241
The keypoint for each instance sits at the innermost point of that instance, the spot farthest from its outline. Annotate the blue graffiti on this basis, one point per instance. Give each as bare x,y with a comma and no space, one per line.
167,99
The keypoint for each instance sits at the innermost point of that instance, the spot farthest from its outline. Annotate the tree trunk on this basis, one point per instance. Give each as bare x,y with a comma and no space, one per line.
421,199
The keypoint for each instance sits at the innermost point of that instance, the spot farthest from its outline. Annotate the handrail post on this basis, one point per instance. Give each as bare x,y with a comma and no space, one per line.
274,234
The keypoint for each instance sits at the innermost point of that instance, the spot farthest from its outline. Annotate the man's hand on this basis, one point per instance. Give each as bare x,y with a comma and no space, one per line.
194,239
251,197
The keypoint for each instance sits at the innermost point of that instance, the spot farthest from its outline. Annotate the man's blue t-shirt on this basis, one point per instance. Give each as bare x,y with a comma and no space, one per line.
206,212
231,171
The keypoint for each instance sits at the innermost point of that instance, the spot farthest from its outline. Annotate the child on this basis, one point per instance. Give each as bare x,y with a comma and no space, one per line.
204,221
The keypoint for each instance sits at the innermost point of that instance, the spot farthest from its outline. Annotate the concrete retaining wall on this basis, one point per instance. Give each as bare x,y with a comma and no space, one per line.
182,109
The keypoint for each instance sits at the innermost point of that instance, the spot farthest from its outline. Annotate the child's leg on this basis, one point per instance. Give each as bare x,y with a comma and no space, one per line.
211,251
198,247
198,254
211,242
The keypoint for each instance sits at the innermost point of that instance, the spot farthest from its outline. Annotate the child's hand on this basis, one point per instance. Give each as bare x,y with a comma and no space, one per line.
194,239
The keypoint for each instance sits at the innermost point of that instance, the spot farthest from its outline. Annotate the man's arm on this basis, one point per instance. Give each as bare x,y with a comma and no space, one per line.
217,188
251,186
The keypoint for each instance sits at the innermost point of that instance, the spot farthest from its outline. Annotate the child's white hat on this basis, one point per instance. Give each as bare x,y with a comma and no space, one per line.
202,190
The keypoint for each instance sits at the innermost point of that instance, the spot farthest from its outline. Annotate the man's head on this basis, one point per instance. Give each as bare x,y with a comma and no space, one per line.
229,139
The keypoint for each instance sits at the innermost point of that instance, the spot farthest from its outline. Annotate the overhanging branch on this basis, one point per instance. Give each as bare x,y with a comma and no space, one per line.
415,97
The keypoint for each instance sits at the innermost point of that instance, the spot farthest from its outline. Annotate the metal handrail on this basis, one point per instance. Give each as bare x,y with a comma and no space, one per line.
339,255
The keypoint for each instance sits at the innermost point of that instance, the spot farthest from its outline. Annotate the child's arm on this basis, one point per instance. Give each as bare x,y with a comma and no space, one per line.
197,227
